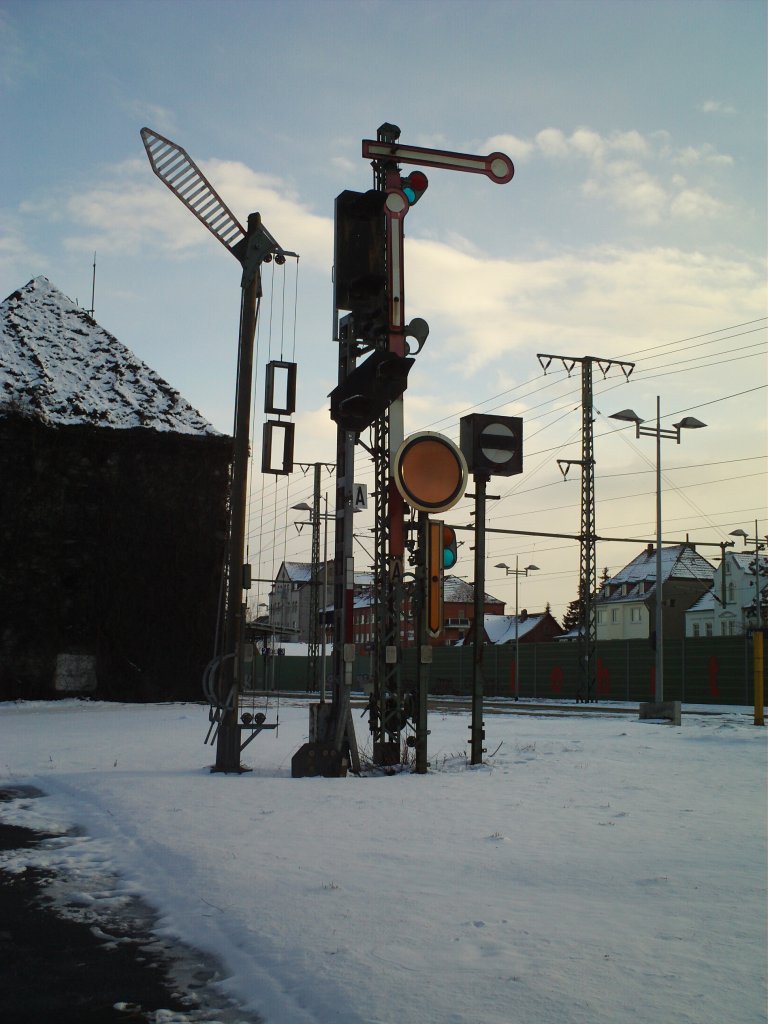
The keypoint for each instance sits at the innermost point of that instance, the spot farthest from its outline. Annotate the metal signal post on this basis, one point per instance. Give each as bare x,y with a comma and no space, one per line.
387,153
251,247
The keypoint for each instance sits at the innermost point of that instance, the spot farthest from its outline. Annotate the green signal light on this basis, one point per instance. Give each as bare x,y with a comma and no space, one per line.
450,548
414,186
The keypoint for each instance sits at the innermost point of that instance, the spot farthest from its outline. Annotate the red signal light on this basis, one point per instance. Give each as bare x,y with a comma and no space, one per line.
414,186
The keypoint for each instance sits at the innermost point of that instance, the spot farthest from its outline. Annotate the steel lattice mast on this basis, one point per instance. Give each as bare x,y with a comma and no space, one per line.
587,631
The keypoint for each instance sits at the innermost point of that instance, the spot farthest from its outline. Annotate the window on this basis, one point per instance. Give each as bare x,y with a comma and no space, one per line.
600,618
696,629
635,615
614,614
708,628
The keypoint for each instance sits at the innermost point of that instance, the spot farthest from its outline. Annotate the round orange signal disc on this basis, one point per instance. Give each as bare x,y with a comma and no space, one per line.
430,472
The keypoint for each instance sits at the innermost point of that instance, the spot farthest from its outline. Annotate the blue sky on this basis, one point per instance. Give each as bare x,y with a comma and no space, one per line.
636,219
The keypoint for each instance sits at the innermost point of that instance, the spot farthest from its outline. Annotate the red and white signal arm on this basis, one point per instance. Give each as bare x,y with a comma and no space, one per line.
430,472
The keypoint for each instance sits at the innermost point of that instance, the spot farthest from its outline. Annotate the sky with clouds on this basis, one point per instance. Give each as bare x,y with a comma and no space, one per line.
634,229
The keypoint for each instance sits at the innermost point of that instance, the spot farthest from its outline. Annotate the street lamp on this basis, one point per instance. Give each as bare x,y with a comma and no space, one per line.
304,507
673,432
517,573
759,546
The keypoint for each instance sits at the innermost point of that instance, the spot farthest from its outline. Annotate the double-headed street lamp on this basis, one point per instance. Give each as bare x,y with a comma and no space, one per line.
673,433
517,572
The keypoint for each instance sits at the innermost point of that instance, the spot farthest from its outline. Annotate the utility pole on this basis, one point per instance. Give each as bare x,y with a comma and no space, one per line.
587,634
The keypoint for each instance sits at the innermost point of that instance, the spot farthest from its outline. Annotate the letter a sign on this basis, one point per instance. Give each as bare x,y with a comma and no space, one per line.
359,496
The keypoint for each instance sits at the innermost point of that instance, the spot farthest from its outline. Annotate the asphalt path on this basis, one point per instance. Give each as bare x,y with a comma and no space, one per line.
56,970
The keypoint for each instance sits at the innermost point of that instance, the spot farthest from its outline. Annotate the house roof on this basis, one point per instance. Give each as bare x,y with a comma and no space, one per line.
746,561
59,366
500,629
457,591
296,572
301,572
680,561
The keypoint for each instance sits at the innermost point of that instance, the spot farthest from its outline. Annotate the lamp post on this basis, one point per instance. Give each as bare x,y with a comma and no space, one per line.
673,432
517,572
315,524
759,546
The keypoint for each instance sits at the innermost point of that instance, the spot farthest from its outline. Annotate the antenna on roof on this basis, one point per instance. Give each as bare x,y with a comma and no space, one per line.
93,286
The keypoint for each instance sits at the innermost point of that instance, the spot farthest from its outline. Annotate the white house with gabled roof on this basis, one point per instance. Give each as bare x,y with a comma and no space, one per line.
729,607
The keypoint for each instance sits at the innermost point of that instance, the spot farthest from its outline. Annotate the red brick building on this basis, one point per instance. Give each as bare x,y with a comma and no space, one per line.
458,615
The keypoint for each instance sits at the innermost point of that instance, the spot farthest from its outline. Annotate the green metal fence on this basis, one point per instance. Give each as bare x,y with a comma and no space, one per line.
715,670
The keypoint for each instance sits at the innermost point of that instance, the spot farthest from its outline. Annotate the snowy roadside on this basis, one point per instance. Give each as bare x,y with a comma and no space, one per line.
598,869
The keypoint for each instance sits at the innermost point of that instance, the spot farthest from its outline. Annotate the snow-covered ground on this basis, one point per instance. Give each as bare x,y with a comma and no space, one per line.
596,869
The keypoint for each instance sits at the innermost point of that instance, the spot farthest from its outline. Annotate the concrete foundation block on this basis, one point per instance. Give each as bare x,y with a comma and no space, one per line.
75,673
668,709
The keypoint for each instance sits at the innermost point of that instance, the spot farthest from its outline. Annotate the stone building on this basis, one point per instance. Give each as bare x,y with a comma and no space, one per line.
113,513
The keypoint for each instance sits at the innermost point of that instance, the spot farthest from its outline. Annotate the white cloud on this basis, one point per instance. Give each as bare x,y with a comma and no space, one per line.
631,142
552,142
133,211
627,186
695,204
151,115
716,107
518,149
13,249
607,299
633,172
587,143
701,155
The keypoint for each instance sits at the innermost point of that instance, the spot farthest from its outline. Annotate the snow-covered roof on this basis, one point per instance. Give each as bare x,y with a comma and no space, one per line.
679,561
59,366
705,603
572,634
746,561
296,572
500,629
456,591
301,572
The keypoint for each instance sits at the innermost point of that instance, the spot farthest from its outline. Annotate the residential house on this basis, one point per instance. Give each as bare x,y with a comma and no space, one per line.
530,628
729,607
290,599
458,615
626,604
